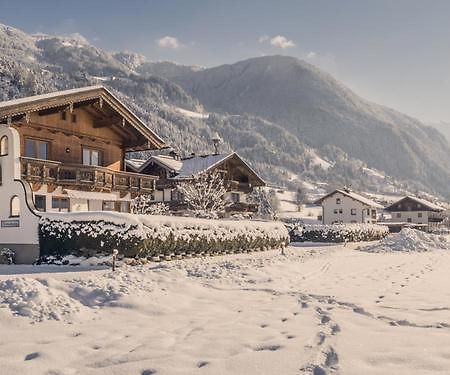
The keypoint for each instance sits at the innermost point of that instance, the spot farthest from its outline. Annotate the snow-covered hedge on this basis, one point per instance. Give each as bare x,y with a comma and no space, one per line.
89,234
338,232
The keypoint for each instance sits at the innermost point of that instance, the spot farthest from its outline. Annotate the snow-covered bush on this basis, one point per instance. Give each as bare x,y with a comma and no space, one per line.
87,234
7,256
143,205
337,232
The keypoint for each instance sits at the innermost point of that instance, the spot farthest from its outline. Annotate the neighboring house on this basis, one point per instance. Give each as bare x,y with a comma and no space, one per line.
65,151
416,211
239,177
346,206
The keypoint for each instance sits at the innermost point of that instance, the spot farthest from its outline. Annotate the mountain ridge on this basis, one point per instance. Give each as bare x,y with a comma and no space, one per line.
281,151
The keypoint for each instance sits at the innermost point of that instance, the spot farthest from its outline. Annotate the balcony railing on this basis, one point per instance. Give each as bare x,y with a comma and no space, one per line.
99,178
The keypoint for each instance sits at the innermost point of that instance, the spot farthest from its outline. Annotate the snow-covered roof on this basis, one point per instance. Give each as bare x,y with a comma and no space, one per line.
169,162
198,164
51,95
188,167
431,206
135,164
20,107
353,195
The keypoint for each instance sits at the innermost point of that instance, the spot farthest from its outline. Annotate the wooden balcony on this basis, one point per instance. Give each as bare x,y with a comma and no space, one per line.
77,175
238,186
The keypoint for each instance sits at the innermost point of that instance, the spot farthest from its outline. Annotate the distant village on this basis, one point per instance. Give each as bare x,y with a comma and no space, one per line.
69,151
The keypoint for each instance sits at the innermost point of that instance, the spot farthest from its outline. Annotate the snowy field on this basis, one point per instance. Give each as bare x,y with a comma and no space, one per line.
319,309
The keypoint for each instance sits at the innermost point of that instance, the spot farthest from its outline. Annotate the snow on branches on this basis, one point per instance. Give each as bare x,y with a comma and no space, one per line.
266,200
143,205
205,193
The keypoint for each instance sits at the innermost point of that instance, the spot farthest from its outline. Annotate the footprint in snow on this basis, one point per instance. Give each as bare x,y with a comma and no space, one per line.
202,364
148,372
271,348
31,356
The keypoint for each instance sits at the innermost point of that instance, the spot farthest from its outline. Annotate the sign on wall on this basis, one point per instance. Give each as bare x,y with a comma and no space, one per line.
10,223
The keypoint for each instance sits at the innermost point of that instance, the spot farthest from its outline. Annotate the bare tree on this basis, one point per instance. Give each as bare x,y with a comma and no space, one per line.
205,193
300,198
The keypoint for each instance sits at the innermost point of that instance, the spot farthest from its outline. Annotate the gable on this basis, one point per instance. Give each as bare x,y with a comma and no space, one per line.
412,204
106,113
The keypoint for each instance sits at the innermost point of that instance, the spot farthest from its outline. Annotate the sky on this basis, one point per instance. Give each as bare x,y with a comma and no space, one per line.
393,52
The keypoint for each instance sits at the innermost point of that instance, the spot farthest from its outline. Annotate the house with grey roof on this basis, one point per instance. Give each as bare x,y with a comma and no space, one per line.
415,212
238,175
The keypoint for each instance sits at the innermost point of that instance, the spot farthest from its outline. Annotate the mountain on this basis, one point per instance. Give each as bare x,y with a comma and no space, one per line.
443,127
320,111
294,123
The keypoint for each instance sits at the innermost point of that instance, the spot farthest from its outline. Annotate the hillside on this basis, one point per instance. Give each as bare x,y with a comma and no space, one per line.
323,134
321,112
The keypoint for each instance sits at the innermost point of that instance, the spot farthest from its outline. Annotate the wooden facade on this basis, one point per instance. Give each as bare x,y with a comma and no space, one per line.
77,139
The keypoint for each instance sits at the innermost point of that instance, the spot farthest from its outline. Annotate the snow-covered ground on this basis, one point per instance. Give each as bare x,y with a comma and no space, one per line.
288,209
319,309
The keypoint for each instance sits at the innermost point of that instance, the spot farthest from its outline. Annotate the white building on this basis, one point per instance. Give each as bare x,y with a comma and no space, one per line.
345,206
416,211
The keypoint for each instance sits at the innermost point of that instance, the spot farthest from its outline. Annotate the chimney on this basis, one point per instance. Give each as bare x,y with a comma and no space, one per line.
216,142
174,154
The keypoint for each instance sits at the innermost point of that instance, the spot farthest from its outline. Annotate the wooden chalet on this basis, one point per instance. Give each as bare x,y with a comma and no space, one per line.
71,147
239,177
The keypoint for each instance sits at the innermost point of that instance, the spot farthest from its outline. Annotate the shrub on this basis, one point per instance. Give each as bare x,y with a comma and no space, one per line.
7,256
337,232
88,234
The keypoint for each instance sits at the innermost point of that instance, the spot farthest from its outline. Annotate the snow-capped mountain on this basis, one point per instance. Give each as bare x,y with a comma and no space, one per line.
290,120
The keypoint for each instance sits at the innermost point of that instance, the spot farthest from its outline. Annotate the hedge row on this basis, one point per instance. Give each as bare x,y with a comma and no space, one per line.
148,236
337,233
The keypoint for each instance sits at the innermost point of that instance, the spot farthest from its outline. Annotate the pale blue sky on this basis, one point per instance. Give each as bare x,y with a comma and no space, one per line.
394,52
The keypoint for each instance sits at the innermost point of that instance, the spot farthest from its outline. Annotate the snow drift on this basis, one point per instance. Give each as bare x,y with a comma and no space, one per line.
409,240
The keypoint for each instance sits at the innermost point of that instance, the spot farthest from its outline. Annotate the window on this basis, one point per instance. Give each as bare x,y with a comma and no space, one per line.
335,211
109,206
1,175
60,204
338,200
74,117
399,215
63,116
235,197
353,221
419,214
341,211
353,211
409,220
40,201
374,214
91,157
4,146
36,149
14,207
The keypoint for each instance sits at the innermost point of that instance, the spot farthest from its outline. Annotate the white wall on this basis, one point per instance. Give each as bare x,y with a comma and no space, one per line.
24,238
329,206
413,215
